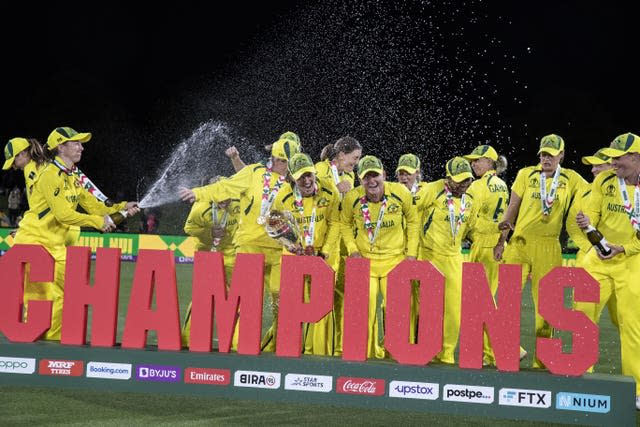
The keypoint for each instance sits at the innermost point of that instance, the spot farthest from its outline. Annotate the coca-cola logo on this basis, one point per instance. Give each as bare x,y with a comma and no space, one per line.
369,386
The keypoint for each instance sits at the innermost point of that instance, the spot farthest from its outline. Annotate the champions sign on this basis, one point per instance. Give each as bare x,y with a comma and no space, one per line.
155,273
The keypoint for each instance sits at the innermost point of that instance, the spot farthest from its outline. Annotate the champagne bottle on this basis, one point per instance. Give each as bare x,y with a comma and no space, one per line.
597,240
120,216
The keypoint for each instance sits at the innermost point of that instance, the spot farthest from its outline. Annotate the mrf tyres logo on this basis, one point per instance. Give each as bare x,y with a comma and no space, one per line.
158,373
524,397
306,382
64,368
17,365
256,379
366,386
467,393
583,402
414,390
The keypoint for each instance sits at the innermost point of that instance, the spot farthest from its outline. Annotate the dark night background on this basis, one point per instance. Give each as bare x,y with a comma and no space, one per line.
434,78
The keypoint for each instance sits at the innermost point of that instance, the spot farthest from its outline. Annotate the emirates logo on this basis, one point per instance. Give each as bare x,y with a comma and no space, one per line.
368,386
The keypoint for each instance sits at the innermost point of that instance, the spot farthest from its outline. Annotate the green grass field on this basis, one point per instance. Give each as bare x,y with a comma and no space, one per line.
49,406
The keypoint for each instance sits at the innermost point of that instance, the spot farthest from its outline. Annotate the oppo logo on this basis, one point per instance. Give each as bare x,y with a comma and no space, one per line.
17,365
13,365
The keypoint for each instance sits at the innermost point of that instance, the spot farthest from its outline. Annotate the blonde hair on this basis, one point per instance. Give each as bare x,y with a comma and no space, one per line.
501,164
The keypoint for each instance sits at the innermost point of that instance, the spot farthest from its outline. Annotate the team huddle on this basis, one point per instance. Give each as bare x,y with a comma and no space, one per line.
337,216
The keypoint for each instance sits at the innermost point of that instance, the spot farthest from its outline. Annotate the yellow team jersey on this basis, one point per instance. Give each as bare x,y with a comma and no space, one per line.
326,202
31,173
247,185
200,221
436,234
491,198
605,210
323,172
400,212
531,221
52,210
579,204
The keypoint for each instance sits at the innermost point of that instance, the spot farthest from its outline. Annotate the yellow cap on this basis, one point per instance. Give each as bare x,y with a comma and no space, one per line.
599,158
291,136
459,169
63,134
284,148
551,144
14,147
369,164
299,164
482,151
408,162
623,144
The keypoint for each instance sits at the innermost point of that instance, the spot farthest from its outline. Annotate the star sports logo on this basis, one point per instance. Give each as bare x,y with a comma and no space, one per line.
305,382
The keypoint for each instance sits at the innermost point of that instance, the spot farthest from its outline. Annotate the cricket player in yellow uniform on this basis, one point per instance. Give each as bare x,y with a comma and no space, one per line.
613,207
314,206
55,197
541,197
336,165
257,185
373,219
447,214
213,226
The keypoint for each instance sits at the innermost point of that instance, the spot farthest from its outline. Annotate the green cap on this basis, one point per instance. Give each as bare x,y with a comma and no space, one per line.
299,164
63,134
599,158
483,151
459,169
408,162
14,147
551,144
623,144
284,149
369,164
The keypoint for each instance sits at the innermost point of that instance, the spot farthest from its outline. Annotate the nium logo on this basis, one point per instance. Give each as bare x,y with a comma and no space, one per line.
17,365
414,390
370,386
524,397
305,382
66,368
256,379
107,370
207,376
467,393
158,373
583,402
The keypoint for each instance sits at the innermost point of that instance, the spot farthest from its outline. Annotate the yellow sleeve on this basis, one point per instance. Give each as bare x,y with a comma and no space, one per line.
519,185
230,188
63,211
333,219
92,205
346,221
576,234
412,219
593,202
195,224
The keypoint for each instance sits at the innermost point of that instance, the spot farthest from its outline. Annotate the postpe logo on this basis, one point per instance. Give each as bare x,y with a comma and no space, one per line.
524,397
468,393
583,402
256,379
112,371
305,382
371,386
17,365
158,373
414,390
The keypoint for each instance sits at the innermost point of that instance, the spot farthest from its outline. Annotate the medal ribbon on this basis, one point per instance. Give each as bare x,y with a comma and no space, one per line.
85,182
547,200
366,216
632,211
414,188
268,194
455,225
307,231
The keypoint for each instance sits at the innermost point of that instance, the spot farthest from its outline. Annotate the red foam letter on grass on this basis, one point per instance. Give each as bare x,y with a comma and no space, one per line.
584,353
102,297
210,300
41,269
356,309
155,270
293,310
502,323
430,318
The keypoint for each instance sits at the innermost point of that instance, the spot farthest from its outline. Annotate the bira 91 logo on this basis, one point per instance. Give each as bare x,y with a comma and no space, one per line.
65,368
414,390
524,397
467,393
17,365
256,379
207,376
368,386
583,402
158,373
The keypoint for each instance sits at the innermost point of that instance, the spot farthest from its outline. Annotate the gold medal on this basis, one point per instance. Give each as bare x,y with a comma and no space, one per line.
545,219
638,234
262,220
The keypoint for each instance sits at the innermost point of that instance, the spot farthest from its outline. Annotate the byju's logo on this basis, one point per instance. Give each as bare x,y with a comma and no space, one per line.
524,397
467,393
304,382
583,402
17,365
414,390
256,379
112,371
158,373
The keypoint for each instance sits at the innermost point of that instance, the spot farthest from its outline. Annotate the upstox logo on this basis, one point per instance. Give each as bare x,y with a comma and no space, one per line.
256,379
17,365
524,397
583,402
467,393
414,390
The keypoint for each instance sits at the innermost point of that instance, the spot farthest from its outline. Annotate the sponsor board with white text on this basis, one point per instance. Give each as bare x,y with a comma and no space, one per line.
158,373
366,386
467,393
65,368
108,370
524,397
207,376
414,390
306,382
17,365
598,403
256,379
